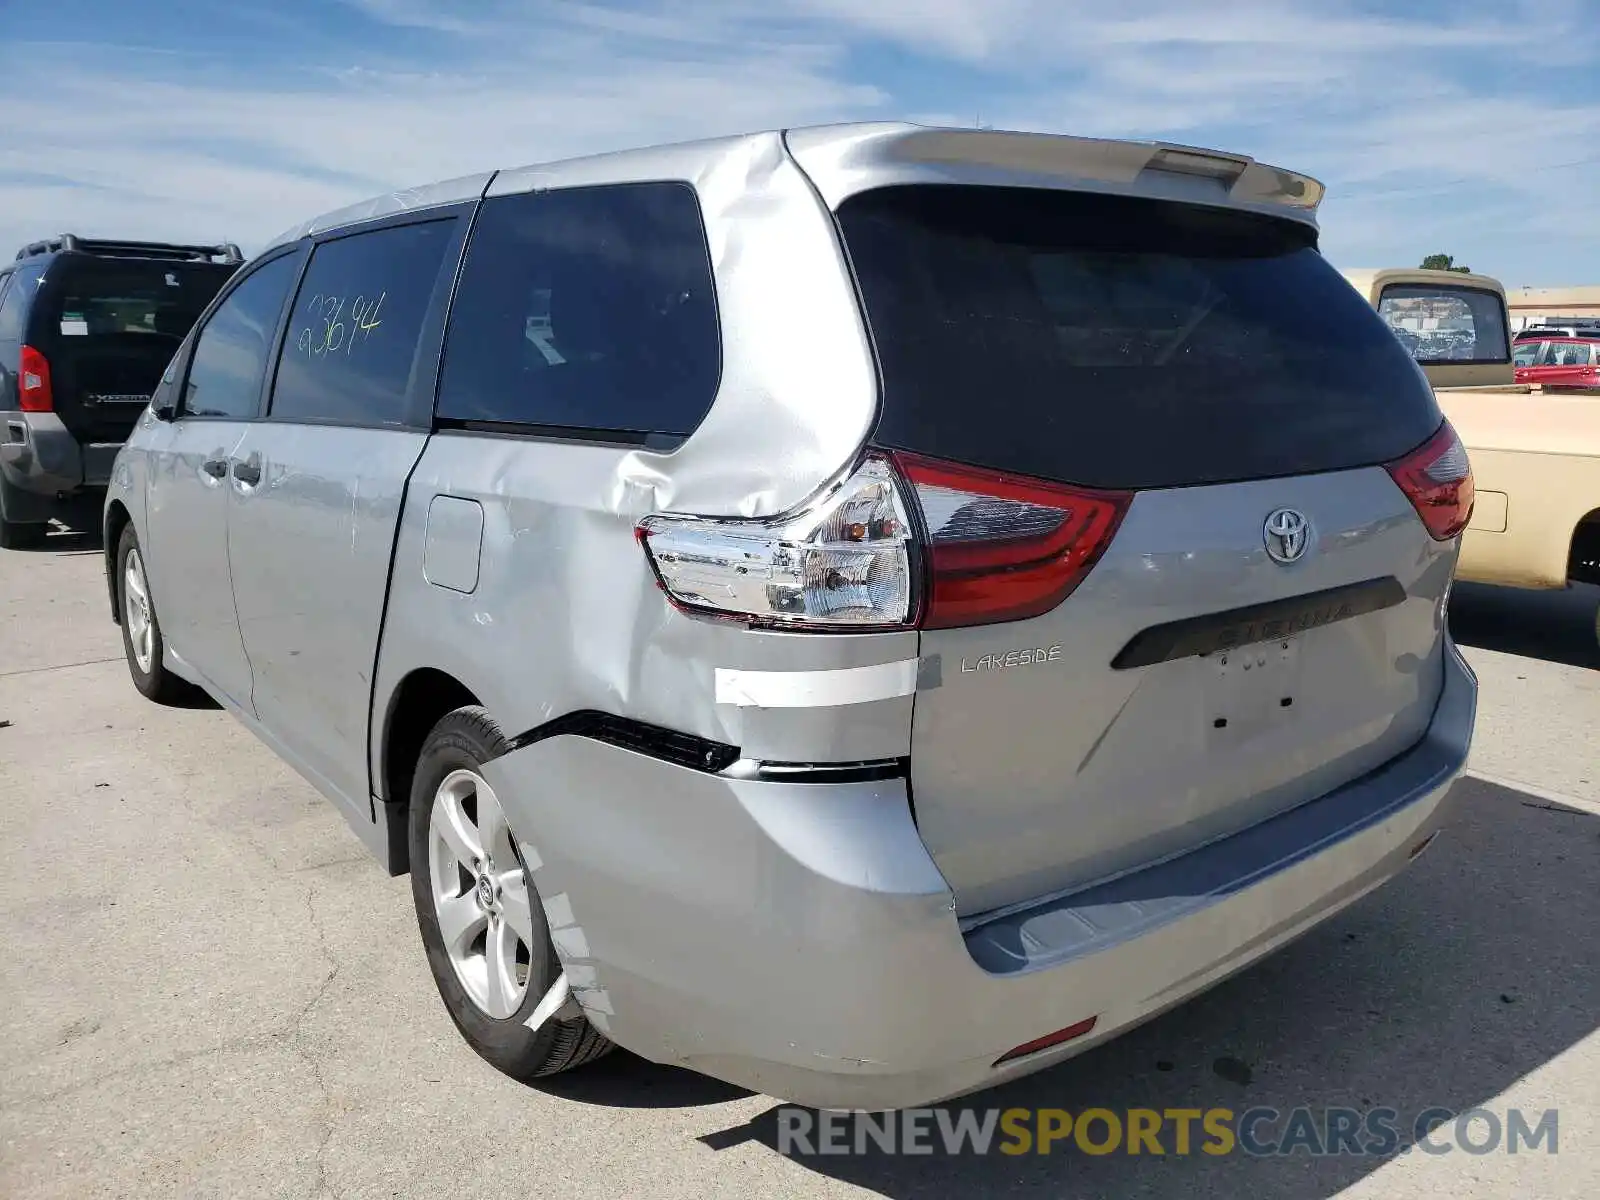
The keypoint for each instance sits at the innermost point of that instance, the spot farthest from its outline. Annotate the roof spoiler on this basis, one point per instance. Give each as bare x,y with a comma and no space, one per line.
70,243
844,159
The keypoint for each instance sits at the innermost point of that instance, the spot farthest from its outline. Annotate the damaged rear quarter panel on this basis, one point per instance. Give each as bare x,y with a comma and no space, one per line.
566,614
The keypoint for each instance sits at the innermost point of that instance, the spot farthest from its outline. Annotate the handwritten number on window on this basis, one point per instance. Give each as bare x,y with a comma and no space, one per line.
336,323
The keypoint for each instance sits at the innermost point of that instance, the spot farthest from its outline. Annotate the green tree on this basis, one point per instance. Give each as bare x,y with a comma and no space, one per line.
1443,262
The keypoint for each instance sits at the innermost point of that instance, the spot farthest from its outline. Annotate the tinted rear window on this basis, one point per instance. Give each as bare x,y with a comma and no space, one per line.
1122,343
89,299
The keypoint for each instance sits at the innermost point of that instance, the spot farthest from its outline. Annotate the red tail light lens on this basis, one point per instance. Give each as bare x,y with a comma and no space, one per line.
1437,478
33,382
1002,547
998,547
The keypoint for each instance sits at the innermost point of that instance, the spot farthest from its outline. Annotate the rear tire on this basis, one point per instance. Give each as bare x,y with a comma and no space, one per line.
467,872
16,536
141,629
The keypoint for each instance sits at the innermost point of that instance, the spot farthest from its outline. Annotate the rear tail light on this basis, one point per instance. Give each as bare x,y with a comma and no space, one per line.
1002,548
844,561
996,548
1437,478
33,382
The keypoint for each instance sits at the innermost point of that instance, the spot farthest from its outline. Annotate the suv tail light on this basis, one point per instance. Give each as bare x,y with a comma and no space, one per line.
996,547
1437,478
33,382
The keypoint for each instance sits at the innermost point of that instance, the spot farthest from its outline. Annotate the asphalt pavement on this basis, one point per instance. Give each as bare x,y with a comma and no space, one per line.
208,989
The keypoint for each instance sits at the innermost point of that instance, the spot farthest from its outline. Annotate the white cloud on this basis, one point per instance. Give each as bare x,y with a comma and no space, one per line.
162,154
1419,124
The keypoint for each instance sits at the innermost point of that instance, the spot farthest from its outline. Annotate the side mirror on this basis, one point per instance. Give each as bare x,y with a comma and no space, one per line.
163,410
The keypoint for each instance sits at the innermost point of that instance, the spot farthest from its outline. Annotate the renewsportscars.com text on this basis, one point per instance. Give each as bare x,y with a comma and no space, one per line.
1257,1132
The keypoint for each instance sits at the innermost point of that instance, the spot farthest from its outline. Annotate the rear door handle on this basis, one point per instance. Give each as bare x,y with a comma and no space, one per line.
247,470
217,468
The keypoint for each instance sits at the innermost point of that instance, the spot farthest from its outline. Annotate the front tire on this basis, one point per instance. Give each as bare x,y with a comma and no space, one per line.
482,923
141,629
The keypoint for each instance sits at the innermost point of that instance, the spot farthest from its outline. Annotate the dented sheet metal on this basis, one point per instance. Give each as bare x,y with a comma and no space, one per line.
798,394
565,614
797,938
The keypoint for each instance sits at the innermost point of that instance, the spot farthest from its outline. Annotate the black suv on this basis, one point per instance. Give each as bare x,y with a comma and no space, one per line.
86,329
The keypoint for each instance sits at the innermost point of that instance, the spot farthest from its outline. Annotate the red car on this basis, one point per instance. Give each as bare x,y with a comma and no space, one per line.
1558,362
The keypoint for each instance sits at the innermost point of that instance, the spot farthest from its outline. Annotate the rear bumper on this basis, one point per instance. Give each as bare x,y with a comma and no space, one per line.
39,454
797,938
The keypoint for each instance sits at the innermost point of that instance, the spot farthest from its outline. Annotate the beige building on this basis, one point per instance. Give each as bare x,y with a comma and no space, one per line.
1539,306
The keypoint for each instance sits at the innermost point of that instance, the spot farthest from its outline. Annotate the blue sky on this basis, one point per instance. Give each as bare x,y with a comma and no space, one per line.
1469,127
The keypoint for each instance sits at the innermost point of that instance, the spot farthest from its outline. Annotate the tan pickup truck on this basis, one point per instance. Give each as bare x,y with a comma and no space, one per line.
1535,455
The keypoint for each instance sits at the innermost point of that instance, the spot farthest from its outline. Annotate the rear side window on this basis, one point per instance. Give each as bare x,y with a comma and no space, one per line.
352,344
105,301
1566,354
1446,325
233,349
585,309
14,305
1121,343
1527,353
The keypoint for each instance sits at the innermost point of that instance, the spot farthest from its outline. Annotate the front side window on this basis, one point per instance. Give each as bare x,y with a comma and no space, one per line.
585,309
232,352
354,334
1441,324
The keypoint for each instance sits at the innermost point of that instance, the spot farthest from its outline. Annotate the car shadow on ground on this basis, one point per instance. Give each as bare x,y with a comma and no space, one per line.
1441,990
1554,626
69,540
623,1080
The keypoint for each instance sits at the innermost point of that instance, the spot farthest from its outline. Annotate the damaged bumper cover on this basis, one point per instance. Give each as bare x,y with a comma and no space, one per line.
796,938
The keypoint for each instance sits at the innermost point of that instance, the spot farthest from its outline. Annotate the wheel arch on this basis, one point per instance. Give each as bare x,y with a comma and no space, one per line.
419,700
117,519
1583,557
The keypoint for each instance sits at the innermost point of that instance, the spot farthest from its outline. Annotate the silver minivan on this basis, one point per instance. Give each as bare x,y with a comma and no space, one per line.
861,612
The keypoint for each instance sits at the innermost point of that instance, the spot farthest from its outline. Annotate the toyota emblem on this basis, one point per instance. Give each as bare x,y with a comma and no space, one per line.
1287,533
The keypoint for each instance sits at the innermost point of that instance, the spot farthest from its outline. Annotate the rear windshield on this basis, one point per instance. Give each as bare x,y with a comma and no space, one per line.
1122,343
1440,324
96,299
